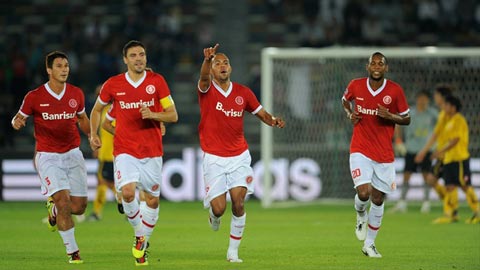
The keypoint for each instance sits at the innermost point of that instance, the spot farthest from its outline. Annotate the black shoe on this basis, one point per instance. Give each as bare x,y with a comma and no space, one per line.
120,208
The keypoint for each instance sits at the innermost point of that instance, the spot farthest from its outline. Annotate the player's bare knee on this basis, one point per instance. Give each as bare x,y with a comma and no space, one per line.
238,208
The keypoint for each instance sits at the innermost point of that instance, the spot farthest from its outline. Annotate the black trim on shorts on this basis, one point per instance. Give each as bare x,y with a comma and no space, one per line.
105,170
411,166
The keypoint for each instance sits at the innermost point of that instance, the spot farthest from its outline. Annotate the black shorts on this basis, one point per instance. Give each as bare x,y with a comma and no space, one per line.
437,169
105,170
457,173
411,166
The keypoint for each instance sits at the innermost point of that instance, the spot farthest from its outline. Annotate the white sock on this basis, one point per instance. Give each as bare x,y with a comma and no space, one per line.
212,216
143,204
237,225
360,206
68,238
132,211
149,219
374,221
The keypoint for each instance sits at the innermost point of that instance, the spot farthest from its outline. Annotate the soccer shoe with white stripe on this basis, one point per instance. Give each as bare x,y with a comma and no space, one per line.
51,220
361,227
214,223
74,258
371,251
139,246
232,256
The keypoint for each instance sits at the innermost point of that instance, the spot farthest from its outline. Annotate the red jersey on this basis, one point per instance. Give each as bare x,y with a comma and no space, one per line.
221,118
135,136
372,135
54,117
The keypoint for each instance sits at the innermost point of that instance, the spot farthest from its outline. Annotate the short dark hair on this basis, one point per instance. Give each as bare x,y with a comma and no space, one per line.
423,93
130,44
380,54
444,90
52,56
452,100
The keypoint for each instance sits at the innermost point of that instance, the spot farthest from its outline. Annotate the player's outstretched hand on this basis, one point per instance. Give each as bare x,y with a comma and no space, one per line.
420,156
19,121
95,142
210,52
278,122
355,117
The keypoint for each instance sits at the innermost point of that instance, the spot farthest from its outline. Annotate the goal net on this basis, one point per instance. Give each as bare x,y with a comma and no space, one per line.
305,87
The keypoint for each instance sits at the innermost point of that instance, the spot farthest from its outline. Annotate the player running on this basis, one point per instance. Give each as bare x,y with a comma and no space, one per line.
226,163
57,107
141,100
379,104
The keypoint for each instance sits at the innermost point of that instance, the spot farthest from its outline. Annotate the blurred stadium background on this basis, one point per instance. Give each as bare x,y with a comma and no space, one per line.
93,32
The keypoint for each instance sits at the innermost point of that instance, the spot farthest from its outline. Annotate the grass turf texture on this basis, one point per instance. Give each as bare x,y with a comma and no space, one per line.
317,236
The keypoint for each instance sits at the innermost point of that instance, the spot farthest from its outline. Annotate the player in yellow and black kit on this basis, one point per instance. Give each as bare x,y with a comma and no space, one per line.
456,164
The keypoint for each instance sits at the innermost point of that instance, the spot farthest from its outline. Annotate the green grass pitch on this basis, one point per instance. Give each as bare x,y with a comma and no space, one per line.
317,236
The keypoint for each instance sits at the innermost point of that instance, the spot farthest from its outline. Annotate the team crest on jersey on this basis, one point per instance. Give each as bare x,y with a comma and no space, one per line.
387,99
155,187
72,103
150,89
239,100
249,179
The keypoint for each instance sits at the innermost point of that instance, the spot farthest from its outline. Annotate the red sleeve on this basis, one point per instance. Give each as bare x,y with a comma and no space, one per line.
81,99
105,96
402,104
26,108
349,92
252,103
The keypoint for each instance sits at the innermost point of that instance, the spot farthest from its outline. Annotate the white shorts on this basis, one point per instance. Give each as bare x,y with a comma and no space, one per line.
146,172
60,171
224,173
366,171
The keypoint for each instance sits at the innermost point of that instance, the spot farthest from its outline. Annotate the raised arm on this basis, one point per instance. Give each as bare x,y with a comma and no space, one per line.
270,119
205,77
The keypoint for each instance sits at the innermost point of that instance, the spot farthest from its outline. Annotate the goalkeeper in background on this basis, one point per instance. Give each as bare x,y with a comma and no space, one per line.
416,135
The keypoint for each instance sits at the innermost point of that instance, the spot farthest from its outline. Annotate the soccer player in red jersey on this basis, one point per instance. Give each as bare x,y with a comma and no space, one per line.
378,104
226,163
141,100
57,107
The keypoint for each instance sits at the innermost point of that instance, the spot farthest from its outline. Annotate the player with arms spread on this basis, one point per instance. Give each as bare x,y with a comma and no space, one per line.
141,101
379,104
226,163
57,107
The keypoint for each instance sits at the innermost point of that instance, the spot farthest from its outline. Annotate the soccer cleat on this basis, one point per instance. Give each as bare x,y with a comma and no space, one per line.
139,246
120,208
445,220
473,220
361,227
425,209
214,223
74,258
52,221
371,251
232,256
400,207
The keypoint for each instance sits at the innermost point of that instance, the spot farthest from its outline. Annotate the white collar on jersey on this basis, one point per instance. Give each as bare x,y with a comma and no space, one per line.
374,93
135,84
50,91
219,89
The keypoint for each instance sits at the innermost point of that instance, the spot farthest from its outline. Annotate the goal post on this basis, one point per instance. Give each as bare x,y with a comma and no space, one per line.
309,157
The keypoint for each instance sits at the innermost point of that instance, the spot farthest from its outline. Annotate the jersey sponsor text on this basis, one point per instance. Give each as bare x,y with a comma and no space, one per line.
57,116
136,105
228,113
